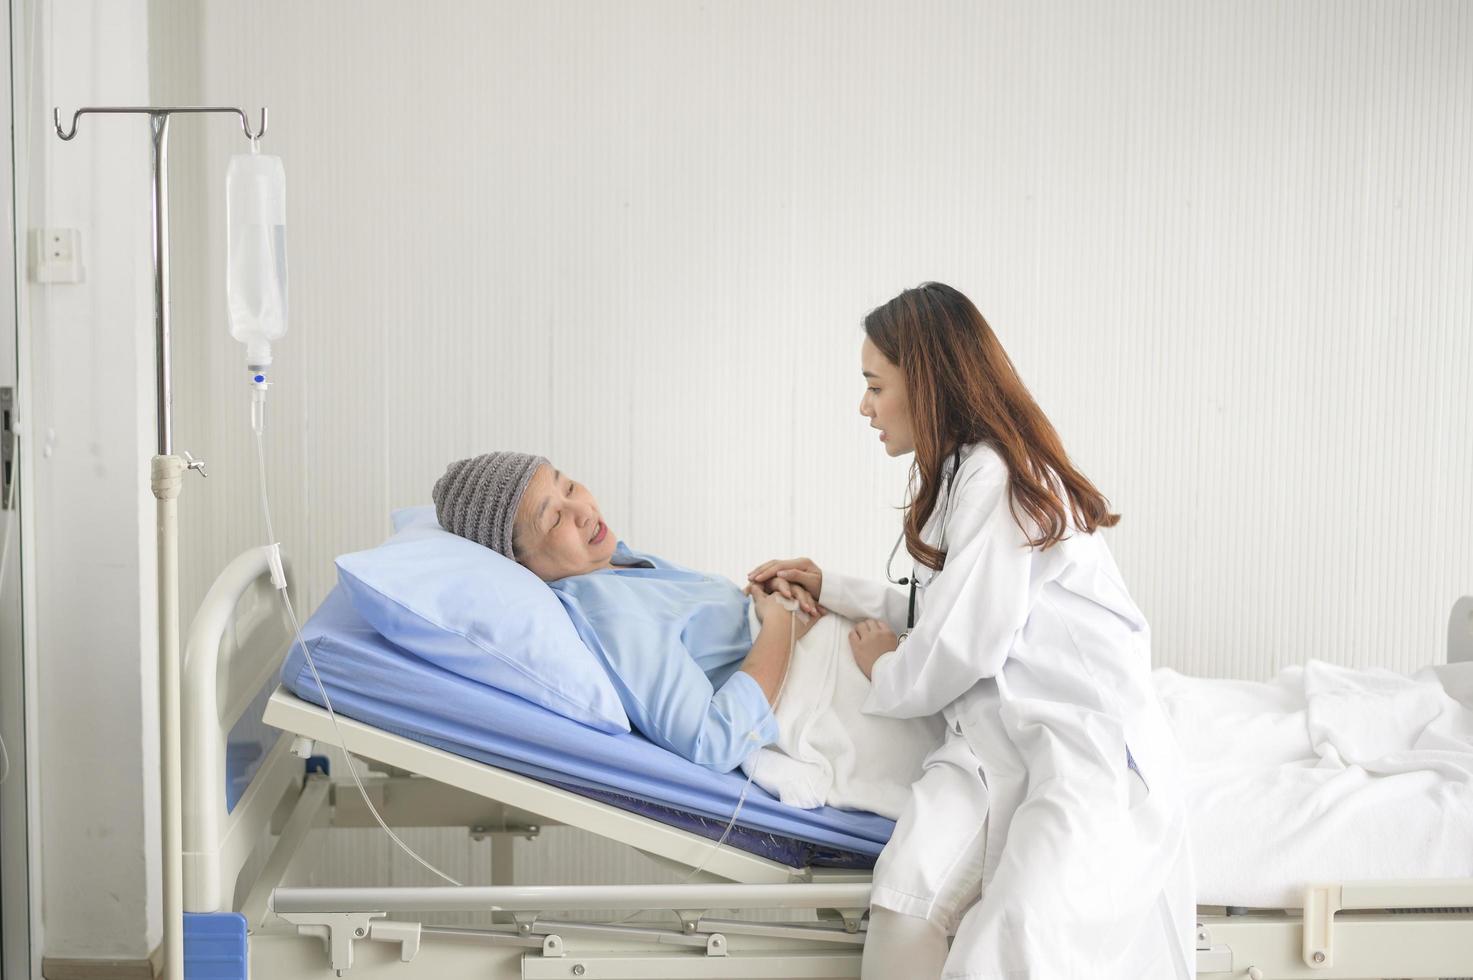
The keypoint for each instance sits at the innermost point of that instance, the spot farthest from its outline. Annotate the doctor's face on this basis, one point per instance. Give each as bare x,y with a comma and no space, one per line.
559,530
885,403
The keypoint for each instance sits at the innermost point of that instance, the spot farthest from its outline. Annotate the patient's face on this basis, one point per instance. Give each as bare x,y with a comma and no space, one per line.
885,403
559,531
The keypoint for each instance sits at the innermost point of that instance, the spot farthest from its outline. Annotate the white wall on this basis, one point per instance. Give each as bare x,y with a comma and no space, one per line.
91,432
1227,245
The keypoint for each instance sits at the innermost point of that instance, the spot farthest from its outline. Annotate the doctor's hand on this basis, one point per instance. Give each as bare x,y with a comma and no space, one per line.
870,641
783,574
770,607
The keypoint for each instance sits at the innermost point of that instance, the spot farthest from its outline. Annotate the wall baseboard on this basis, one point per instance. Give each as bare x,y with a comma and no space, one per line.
60,968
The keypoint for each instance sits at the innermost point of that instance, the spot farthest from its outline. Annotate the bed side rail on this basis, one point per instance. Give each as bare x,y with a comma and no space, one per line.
234,647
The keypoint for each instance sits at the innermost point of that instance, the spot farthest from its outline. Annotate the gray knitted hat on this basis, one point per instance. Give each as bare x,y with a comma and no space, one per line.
477,498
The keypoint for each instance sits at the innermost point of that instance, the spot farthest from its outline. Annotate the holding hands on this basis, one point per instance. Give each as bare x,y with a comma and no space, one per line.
792,578
801,580
774,606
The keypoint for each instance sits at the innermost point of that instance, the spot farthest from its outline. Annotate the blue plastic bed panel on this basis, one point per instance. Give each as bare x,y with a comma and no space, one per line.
246,747
375,682
215,946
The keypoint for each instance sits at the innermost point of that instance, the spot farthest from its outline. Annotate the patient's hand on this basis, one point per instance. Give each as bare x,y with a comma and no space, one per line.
870,641
770,606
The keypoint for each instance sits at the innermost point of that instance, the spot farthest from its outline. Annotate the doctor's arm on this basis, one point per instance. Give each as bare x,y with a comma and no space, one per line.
858,598
972,610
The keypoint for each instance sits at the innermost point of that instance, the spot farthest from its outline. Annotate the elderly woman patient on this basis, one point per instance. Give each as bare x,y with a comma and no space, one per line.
679,645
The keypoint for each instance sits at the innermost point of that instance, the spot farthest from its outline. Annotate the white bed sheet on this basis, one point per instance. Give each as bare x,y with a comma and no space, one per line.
1325,774
828,751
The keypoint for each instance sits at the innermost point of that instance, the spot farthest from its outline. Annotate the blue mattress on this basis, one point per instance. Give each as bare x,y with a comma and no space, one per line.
375,682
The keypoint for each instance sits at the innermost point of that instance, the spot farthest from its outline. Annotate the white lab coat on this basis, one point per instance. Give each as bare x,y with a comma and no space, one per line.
1027,834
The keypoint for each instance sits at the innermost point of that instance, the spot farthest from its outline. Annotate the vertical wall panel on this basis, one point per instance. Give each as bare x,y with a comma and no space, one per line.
1227,244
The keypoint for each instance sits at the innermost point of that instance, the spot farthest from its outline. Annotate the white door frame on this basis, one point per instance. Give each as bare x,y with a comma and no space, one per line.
20,938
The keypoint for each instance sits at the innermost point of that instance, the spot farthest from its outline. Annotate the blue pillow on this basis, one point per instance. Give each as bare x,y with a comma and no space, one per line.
467,609
414,517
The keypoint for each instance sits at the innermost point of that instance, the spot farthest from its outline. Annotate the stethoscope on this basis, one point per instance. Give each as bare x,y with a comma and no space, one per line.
910,615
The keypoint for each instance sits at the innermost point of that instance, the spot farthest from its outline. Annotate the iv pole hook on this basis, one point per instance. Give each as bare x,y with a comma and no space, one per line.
156,112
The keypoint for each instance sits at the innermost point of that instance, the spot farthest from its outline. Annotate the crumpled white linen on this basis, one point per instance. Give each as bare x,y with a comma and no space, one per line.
1324,774
828,752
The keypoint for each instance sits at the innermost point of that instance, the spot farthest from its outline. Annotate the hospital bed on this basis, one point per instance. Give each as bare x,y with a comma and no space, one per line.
801,872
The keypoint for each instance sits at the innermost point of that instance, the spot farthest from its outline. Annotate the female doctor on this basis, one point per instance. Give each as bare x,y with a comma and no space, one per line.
1047,833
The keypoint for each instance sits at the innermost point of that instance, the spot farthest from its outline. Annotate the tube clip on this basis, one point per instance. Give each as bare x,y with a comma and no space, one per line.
278,571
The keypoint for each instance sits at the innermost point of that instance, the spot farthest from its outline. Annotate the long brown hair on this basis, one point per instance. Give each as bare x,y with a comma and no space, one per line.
963,389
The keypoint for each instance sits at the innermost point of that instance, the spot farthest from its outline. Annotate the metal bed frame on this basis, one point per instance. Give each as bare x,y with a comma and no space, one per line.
233,862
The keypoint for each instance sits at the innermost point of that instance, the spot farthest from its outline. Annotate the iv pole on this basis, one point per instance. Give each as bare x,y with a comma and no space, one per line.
167,476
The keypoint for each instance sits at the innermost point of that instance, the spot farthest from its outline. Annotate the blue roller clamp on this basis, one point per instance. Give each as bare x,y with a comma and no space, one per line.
215,946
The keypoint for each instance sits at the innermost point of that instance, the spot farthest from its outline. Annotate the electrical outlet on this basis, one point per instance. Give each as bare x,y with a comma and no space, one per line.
56,255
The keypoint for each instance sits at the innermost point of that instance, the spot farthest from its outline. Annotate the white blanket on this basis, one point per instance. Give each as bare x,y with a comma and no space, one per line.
828,752
1325,774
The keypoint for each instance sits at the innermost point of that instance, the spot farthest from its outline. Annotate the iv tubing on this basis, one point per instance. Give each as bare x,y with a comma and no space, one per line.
258,412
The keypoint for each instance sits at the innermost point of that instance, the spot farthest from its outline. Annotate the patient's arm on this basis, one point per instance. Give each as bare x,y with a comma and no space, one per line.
768,662
669,698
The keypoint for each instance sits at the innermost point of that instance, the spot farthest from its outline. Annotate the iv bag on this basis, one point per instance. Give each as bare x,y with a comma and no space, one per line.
255,259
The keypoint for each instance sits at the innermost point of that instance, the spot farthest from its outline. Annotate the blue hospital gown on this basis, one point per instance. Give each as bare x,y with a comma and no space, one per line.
673,640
